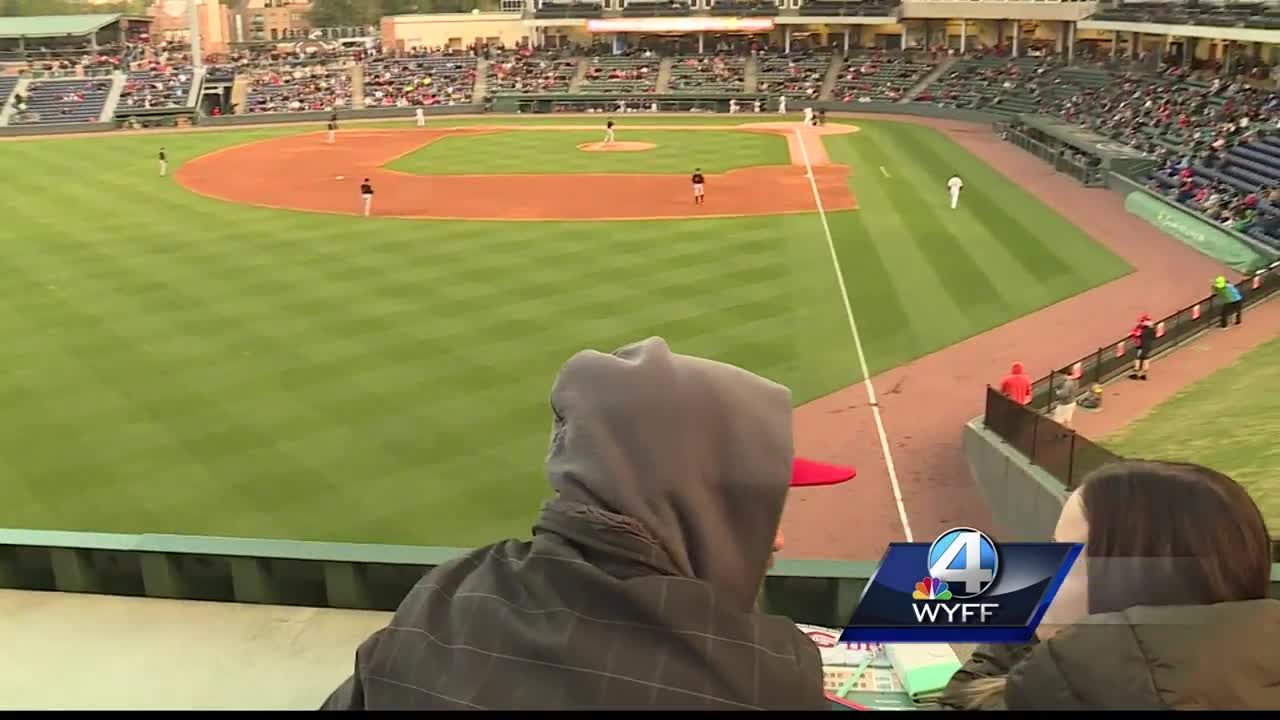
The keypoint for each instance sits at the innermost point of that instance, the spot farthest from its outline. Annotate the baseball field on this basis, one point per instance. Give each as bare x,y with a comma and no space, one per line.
233,350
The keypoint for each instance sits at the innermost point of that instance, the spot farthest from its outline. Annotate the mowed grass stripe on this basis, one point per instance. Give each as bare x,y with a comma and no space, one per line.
955,268
536,152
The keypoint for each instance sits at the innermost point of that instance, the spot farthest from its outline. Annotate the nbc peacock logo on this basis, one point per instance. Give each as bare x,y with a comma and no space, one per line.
931,588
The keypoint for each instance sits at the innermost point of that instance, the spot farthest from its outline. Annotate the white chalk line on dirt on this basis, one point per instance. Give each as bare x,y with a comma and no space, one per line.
857,343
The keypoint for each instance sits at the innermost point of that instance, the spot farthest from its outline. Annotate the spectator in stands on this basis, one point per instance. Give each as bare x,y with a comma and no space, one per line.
638,588
1016,385
1168,610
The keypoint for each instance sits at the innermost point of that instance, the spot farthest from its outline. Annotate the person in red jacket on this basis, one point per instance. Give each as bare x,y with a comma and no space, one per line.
1016,385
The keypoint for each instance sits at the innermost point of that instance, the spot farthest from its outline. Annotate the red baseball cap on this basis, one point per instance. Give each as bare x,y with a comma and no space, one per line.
809,473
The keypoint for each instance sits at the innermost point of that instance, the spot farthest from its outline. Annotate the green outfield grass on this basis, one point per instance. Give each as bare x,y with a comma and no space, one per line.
1229,421
171,363
526,152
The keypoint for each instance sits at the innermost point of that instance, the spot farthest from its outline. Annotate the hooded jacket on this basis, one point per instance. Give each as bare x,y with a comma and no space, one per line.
1189,657
1016,385
638,588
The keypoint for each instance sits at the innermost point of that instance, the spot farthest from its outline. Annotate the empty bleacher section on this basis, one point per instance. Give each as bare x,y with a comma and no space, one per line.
621,75
439,80
50,102
878,77
531,73
220,74
568,9
158,87
7,84
795,75
300,89
703,73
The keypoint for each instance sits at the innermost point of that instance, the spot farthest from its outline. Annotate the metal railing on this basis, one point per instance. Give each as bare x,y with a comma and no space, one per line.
1111,361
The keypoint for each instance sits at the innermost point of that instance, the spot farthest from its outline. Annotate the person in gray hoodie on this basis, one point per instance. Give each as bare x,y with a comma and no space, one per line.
638,588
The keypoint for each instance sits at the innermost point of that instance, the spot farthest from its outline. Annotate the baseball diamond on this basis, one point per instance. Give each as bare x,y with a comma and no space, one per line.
427,354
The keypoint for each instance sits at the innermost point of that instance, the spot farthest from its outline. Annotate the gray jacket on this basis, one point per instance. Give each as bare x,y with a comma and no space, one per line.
638,588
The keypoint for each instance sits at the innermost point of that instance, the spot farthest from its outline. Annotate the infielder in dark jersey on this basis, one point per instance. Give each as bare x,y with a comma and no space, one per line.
366,195
698,190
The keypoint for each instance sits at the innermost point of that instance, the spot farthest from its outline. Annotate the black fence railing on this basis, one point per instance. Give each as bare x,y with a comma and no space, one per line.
1062,453
1115,359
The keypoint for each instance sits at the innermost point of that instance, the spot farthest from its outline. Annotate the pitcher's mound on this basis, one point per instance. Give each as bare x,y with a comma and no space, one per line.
616,146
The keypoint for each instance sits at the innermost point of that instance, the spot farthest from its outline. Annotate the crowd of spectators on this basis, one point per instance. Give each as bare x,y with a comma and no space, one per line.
60,101
314,87
693,73
157,86
419,81
878,77
525,70
622,74
1160,115
796,75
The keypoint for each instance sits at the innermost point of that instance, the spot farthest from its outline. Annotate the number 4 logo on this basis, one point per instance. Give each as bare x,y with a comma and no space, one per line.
965,559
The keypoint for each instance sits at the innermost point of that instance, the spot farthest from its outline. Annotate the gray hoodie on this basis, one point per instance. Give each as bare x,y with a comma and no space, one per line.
638,587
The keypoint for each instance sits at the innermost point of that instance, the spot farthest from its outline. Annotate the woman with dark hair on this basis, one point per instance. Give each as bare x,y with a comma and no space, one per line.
1167,608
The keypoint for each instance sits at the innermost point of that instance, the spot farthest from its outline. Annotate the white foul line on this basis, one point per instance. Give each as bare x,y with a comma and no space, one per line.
857,343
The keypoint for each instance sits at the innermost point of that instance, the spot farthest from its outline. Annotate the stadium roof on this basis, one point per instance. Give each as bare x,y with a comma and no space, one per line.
37,26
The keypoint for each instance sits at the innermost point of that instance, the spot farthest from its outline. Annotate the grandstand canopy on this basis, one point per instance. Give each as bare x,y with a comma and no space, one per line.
50,26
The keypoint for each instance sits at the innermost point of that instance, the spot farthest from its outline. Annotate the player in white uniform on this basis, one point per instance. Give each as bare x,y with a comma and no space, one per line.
782,105
954,185
808,116
733,106
421,117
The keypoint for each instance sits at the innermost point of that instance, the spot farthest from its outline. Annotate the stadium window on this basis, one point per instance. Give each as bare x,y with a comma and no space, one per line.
275,34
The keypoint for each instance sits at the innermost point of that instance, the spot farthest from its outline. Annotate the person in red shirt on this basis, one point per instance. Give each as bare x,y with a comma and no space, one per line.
1016,385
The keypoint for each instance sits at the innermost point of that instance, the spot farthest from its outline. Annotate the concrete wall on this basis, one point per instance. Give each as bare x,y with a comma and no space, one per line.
454,30
1023,499
1021,9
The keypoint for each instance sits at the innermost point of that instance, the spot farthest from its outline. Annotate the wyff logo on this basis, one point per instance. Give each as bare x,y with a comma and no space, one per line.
968,559
971,590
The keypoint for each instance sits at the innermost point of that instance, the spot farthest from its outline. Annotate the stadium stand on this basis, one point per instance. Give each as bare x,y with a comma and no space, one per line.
7,84
220,73
992,83
654,8
1254,14
438,80
881,77
568,9
838,8
703,73
795,75
158,87
621,75
61,101
531,72
744,8
300,89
